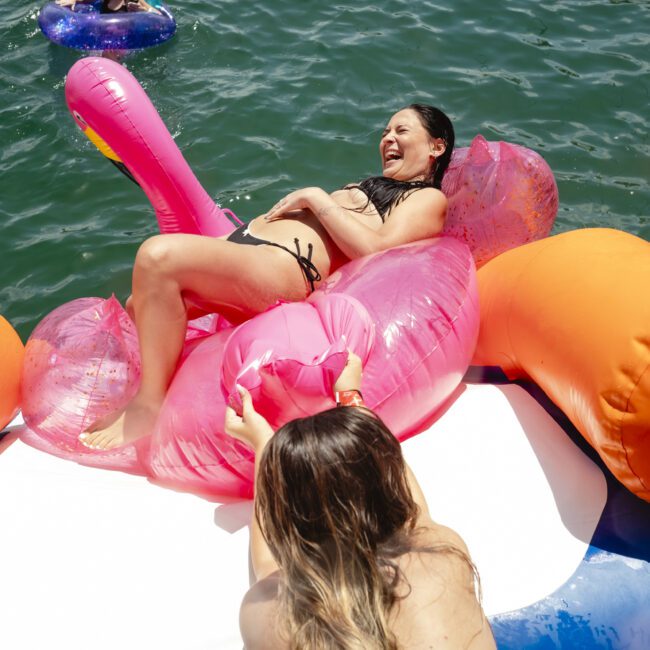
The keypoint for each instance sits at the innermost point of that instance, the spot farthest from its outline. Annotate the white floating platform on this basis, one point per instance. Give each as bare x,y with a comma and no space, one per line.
101,560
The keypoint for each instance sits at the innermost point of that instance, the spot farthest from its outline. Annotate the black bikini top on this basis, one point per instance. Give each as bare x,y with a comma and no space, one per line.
385,193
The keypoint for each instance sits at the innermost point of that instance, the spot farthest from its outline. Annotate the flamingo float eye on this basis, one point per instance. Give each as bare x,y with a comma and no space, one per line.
79,118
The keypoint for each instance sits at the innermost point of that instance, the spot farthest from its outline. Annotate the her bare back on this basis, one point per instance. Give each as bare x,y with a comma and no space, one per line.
437,606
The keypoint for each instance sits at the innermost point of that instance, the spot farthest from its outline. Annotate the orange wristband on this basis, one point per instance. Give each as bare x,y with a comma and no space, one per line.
348,398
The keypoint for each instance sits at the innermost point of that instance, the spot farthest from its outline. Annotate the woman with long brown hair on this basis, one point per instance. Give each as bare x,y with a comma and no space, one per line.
344,551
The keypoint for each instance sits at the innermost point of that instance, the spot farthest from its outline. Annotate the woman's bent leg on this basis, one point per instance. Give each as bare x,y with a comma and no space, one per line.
226,276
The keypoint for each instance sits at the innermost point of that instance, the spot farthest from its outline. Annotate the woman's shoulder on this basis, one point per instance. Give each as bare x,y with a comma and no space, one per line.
441,550
424,209
438,568
426,194
258,615
430,532
439,605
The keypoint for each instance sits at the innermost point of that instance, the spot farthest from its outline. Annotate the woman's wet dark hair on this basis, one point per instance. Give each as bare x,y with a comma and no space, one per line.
438,125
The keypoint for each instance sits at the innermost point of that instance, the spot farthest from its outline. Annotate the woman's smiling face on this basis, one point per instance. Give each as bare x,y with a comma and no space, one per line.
406,148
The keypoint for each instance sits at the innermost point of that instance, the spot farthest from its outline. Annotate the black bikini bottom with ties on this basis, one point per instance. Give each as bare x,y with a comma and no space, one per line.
242,236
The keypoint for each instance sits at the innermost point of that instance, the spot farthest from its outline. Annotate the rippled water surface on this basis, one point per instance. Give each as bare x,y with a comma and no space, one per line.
263,97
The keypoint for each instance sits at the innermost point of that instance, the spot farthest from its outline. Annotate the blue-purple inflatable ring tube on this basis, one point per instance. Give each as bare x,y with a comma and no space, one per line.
86,28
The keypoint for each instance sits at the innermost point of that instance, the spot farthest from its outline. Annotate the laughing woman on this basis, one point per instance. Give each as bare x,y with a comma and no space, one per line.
302,239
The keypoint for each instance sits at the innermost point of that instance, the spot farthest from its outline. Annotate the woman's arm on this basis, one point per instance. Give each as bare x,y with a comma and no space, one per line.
350,379
419,216
252,429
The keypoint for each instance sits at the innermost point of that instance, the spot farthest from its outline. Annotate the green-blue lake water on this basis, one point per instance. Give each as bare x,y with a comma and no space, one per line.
264,97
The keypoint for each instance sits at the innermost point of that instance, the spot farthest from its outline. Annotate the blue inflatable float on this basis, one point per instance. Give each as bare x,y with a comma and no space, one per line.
85,27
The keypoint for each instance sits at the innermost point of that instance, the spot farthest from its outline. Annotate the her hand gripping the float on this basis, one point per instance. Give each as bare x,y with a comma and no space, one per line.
253,430
176,273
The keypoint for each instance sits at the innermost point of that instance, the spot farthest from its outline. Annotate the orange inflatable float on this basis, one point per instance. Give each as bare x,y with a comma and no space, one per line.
11,363
572,313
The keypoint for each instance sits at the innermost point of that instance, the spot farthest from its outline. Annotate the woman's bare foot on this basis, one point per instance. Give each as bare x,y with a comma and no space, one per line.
104,423
137,421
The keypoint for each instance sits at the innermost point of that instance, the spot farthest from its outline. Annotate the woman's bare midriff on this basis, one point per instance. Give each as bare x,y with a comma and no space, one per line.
305,226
